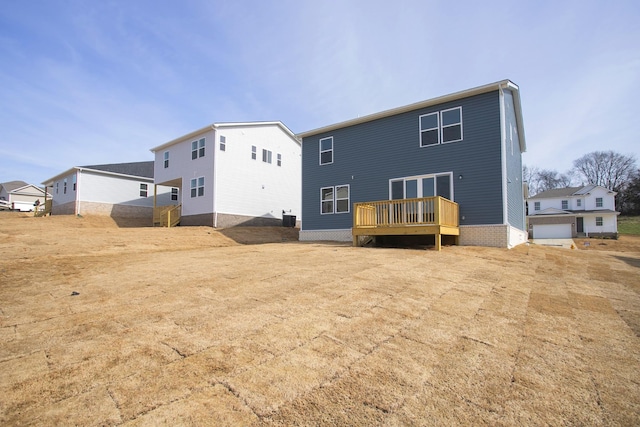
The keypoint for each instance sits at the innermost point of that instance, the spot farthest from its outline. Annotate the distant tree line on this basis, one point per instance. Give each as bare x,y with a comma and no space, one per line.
615,171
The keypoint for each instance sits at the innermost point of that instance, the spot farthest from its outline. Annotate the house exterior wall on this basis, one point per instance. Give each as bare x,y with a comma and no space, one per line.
237,188
182,169
64,202
368,155
588,202
247,188
516,215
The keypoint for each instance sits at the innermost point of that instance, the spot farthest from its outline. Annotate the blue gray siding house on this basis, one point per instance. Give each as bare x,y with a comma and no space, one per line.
466,147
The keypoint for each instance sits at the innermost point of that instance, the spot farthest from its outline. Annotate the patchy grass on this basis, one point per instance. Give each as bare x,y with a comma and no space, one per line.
629,225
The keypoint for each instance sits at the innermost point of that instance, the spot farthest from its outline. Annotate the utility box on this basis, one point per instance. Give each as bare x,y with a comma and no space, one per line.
288,220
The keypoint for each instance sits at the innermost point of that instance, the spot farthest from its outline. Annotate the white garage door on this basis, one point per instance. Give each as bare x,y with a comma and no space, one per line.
552,231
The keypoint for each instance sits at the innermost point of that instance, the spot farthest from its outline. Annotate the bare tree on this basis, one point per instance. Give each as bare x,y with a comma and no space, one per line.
540,180
606,168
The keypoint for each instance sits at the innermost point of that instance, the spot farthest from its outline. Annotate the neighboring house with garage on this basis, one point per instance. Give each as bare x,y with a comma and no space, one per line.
448,166
230,174
20,195
587,211
120,190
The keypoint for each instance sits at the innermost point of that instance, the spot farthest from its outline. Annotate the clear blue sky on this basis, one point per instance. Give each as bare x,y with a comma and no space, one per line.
91,82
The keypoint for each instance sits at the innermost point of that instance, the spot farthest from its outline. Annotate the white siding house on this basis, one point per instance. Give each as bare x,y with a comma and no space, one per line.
122,190
233,174
21,195
573,212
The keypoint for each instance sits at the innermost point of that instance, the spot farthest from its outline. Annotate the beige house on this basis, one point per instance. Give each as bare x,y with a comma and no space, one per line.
20,195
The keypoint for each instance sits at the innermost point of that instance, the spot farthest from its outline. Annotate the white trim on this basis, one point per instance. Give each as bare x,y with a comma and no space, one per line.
334,199
419,177
503,158
442,126
320,151
437,128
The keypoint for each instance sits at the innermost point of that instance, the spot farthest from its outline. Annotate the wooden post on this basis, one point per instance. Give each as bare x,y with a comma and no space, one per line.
438,241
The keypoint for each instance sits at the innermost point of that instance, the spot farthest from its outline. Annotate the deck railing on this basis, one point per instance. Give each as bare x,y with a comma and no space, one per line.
406,212
167,216
43,209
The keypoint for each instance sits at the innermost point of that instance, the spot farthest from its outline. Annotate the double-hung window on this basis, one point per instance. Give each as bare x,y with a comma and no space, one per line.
74,181
279,160
144,190
166,159
266,156
197,187
536,206
598,202
254,152
579,202
441,127
64,186
565,205
326,151
197,149
598,221
334,199
174,194
223,143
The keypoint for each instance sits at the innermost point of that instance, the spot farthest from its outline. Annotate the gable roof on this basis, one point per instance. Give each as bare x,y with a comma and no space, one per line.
13,185
568,192
143,169
214,126
503,84
135,169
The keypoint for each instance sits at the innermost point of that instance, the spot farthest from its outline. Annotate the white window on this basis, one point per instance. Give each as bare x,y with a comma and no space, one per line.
429,129
579,202
74,181
441,127
334,199
144,188
451,125
197,187
565,204
598,202
64,186
279,161
174,194
166,159
536,206
266,156
197,149
422,186
598,221
223,143
254,152
57,187
326,151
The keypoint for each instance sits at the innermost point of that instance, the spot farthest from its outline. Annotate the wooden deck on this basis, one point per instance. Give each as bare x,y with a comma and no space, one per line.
423,216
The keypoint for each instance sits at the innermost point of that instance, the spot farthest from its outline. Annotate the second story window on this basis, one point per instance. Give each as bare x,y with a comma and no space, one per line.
74,181
197,149
441,127
279,160
565,204
254,152
579,202
326,151
266,156
166,159
536,206
223,143
598,202
64,186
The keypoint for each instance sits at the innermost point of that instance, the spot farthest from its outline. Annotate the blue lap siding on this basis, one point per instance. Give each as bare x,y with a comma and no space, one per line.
367,155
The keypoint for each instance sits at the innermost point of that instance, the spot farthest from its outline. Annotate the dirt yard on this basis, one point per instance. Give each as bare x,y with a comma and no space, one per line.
107,325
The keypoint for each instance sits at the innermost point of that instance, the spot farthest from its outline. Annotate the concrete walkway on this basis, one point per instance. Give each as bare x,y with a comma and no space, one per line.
561,243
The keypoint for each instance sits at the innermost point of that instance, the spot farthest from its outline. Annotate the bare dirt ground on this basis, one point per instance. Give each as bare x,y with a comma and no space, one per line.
102,325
